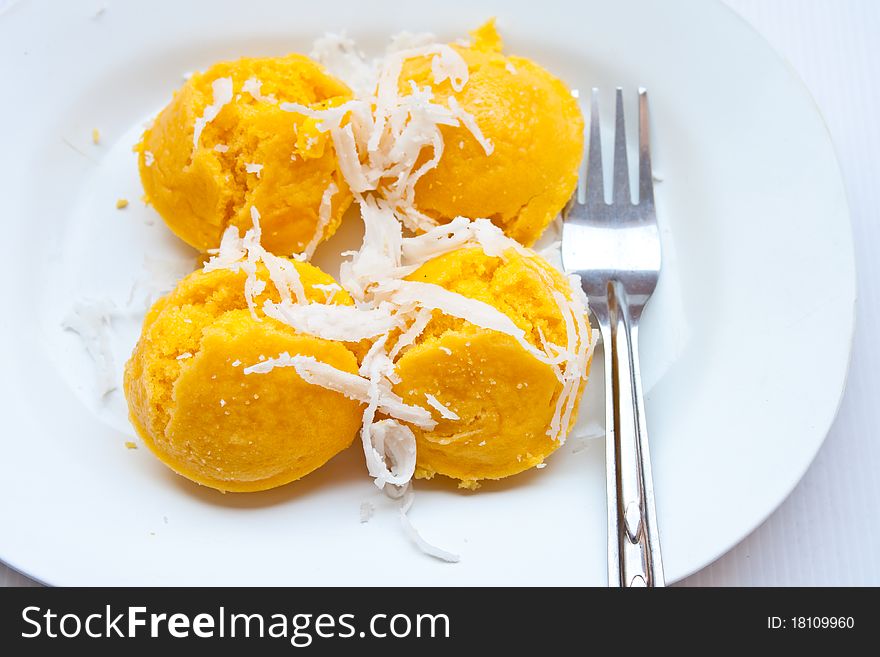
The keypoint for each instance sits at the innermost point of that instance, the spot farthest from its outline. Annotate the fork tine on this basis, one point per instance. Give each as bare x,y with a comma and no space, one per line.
646,182
620,193
595,179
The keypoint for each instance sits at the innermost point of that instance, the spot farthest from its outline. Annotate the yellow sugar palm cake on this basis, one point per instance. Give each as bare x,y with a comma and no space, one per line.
535,128
223,144
501,399
197,410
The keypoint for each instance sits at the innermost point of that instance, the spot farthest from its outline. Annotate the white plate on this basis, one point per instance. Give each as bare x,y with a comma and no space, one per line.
745,346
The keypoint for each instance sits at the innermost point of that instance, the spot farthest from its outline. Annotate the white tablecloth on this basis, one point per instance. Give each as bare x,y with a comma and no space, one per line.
827,532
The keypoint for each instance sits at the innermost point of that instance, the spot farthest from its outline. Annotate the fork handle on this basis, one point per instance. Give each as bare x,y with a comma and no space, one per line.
638,545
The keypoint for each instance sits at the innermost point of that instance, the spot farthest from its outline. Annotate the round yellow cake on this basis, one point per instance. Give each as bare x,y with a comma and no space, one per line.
504,397
197,410
535,126
252,153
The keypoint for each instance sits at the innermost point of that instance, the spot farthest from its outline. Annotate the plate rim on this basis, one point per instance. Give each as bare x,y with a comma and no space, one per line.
852,302
853,288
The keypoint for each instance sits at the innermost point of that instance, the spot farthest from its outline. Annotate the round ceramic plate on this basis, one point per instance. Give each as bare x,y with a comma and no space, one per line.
743,369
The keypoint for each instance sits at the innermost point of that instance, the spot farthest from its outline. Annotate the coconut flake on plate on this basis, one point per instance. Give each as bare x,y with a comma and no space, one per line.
92,322
406,502
367,510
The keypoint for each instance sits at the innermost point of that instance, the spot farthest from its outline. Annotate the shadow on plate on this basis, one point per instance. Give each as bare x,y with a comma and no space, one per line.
345,467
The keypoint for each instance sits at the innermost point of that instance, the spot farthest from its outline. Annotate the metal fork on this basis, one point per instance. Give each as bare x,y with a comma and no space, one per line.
616,250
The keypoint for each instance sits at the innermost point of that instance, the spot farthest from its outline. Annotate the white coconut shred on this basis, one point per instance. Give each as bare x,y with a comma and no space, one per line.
222,88
380,136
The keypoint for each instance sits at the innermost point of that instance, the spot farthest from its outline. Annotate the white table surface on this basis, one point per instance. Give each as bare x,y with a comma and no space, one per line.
827,532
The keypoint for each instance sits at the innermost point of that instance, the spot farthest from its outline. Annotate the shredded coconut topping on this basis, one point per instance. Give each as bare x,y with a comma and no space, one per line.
476,312
351,385
238,253
325,212
253,86
445,412
379,137
342,323
222,88
579,351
